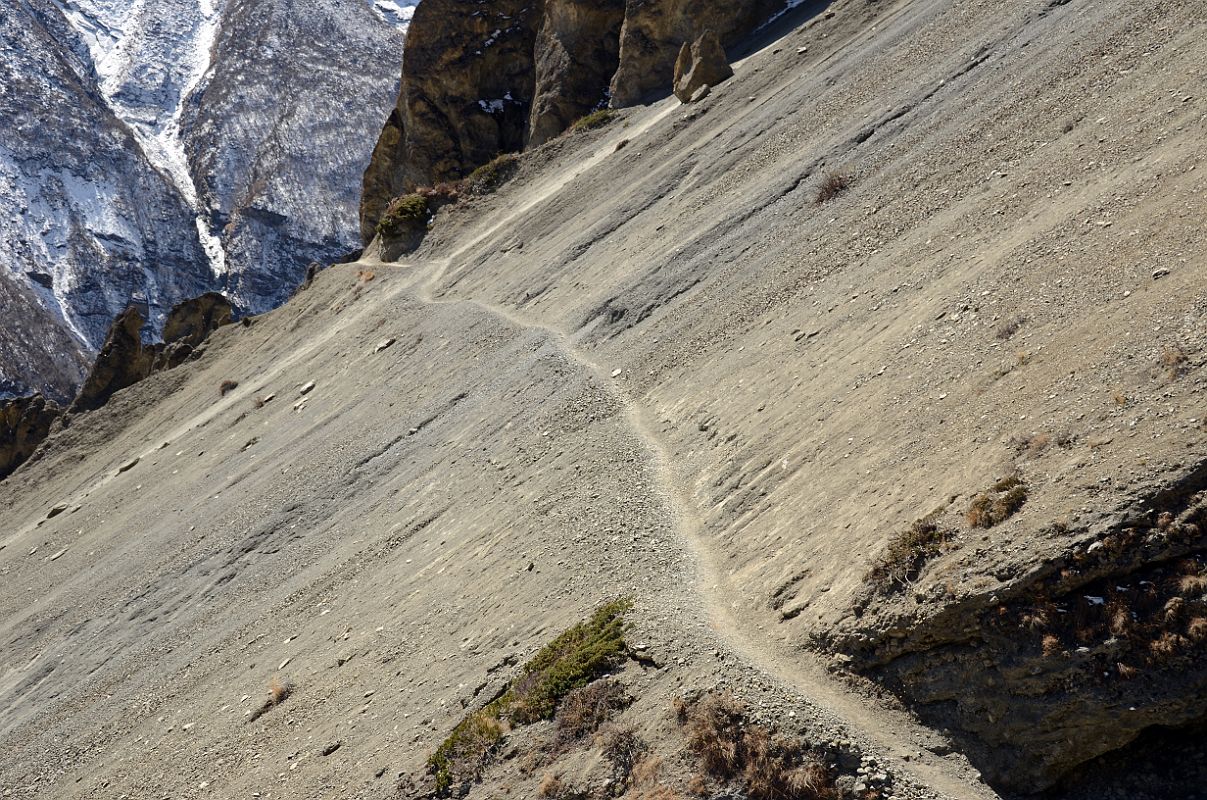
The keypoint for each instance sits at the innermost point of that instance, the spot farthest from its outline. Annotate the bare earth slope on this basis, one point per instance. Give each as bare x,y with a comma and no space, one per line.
667,371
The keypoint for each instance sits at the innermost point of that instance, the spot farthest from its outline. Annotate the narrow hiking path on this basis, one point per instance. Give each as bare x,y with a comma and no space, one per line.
895,733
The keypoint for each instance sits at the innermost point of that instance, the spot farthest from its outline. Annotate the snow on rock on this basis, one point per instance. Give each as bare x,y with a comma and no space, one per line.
213,145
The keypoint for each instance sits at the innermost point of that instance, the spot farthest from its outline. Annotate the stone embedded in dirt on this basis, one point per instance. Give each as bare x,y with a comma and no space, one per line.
701,64
331,748
54,512
307,388
129,465
384,345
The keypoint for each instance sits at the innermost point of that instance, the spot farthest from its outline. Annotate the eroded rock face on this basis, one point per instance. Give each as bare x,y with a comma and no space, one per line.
124,360
577,53
121,362
24,424
483,78
700,65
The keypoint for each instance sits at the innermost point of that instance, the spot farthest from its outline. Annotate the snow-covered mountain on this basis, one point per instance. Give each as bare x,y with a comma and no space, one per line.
163,148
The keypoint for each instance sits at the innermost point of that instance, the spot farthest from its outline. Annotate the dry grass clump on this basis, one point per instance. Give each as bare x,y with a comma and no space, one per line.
596,119
623,749
768,766
571,661
226,387
493,174
1175,361
584,710
833,183
1002,501
278,692
908,552
1010,327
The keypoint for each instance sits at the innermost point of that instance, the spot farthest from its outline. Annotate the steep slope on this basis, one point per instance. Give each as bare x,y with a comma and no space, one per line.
666,370
185,172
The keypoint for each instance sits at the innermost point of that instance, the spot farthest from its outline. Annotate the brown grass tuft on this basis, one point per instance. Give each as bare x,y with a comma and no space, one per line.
584,710
833,183
226,387
1196,629
623,749
1051,646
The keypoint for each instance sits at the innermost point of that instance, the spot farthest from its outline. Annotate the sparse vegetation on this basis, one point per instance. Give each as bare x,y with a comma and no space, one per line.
623,749
908,552
596,119
1010,327
493,174
226,387
278,692
571,661
584,710
1002,501
406,214
1175,361
833,183
766,765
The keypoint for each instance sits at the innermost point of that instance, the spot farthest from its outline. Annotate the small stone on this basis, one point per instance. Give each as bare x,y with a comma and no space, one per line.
58,555
384,345
54,512
616,373
1160,273
129,465
307,388
331,748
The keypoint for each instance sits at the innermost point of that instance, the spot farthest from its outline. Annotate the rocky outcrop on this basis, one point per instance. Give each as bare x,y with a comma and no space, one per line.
655,31
122,362
24,424
701,65
577,53
483,78
125,360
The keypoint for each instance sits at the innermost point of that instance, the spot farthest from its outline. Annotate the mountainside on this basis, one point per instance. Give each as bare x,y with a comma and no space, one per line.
190,167
839,435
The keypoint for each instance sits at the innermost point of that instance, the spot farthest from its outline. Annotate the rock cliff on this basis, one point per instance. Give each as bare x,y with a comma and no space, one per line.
187,169
483,79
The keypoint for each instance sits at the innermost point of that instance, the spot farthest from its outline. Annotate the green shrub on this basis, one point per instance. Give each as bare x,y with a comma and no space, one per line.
405,214
572,660
596,119
493,174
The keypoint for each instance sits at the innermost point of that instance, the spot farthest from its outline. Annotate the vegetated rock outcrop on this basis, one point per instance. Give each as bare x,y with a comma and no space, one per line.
479,79
25,423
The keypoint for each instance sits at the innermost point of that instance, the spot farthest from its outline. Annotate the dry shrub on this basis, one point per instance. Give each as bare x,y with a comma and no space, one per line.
365,276
278,692
833,183
1166,646
1196,629
1010,327
908,552
623,749
769,766
226,387
1193,584
1051,645
1002,501
1175,361
551,786
584,710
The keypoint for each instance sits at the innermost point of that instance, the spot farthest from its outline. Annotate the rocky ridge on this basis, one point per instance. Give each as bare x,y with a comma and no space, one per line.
189,174
479,80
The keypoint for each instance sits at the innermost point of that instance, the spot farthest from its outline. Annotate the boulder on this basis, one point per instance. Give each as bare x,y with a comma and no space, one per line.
700,66
24,424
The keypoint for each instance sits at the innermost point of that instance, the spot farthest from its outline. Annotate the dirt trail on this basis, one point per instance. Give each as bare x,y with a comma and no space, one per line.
893,732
